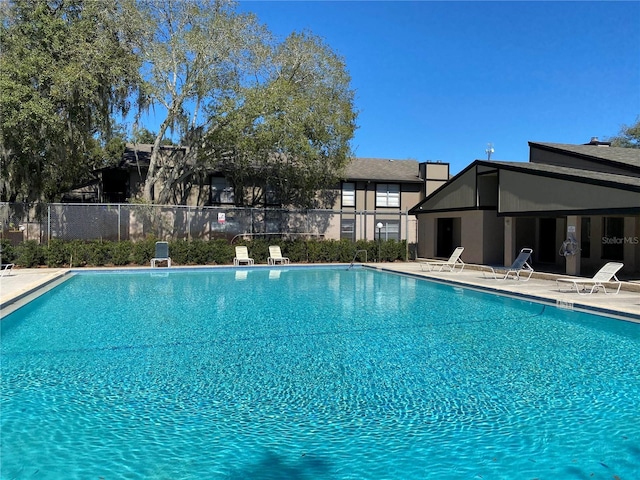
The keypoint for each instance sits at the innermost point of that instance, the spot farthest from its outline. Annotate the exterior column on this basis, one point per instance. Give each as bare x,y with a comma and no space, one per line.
509,240
573,231
631,240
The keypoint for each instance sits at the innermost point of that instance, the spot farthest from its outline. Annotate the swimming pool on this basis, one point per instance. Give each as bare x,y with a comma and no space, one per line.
311,373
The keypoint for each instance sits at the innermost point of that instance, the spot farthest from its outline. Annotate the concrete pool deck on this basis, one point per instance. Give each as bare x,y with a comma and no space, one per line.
26,283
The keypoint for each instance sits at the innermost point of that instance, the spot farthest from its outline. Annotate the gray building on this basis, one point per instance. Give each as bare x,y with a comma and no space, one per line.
585,195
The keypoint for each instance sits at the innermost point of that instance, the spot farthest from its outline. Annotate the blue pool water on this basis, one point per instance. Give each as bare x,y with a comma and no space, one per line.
312,373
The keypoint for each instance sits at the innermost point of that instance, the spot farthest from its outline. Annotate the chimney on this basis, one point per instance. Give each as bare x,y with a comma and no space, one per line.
422,173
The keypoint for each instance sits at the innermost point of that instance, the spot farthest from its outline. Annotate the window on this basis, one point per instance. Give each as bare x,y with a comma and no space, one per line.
585,237
388,195
390,230
348,229
348,194
612,238
221,191
271,197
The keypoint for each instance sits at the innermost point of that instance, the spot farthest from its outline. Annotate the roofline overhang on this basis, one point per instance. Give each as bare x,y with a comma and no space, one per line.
568,176
592,158
416,181
415,210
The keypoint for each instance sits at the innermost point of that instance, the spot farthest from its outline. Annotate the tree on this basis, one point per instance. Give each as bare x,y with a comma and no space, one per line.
67,66
242,103
191,52
629,136
143,135
290,131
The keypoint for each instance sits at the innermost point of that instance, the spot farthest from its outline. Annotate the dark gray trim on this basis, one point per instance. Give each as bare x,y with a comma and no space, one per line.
608,212
625,158
589,177
619,182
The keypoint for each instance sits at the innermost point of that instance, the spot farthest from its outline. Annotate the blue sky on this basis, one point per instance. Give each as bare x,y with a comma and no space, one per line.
441,80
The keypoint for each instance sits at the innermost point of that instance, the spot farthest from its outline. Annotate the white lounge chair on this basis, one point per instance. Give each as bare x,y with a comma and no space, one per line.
6,268
162,254
520,265
586,286
275,256
242,256
449,265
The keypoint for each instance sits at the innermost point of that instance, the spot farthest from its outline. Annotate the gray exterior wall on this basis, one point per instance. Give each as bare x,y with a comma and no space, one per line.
501,207
520,192
481,234
630,240
463,197
435,175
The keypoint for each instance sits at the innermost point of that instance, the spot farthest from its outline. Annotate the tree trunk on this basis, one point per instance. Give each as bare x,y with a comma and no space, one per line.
149,193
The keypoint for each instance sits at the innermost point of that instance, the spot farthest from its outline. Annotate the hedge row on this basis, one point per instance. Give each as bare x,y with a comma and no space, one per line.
77,253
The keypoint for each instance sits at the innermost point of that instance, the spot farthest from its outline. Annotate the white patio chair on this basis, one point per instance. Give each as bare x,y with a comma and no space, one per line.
520,265
242,256
275,256
450,265
586,286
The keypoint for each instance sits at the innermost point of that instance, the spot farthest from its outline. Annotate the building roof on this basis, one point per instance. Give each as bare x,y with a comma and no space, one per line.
383,170
629,158
616,155
359,169
567,173
139,155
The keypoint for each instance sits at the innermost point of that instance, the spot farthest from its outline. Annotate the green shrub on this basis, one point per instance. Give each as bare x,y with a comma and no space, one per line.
121,253
7,251
392,250
315,251
368,246
78,253
29,254
345,250
98,253
179,251
221,252
143,251
295,250
258,249
57,253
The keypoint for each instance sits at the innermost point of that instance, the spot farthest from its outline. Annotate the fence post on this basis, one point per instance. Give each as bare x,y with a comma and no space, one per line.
48,224
406,232
189,223
119,221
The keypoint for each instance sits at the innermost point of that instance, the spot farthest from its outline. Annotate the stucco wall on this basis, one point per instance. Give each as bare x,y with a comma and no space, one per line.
481,235
631,246
493,238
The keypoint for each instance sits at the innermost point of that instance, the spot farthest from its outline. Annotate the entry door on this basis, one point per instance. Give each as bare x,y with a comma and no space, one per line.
548,250
444,241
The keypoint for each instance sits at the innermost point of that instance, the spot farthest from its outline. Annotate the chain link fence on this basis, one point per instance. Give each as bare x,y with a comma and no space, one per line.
119,222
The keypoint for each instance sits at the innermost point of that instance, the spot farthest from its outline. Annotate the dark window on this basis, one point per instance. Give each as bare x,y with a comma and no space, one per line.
390,230
612,238
221,191
585,237
388,195
348,194
348,229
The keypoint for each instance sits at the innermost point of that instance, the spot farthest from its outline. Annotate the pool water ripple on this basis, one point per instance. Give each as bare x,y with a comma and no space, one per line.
322,374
